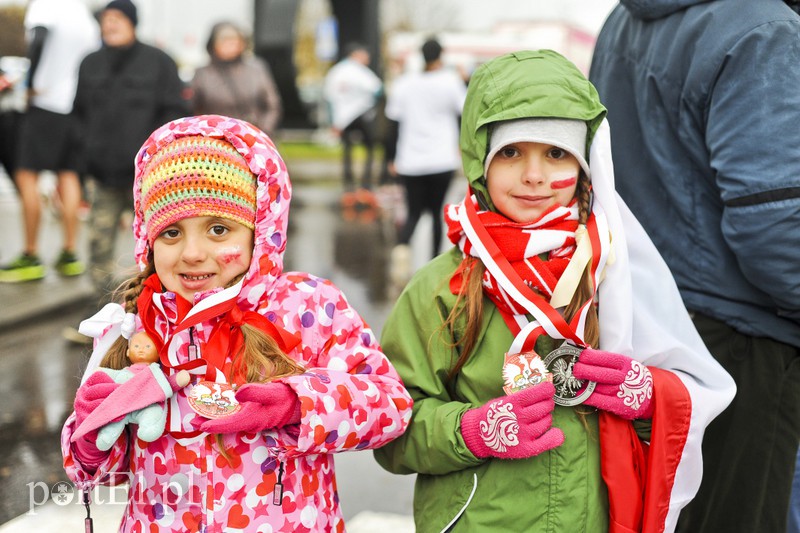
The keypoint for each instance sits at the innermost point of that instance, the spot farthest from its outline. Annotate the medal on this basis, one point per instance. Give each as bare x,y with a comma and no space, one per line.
569,389
213,400
523,370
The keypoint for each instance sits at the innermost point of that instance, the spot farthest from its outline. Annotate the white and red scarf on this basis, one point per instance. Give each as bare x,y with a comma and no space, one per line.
525,263
538,251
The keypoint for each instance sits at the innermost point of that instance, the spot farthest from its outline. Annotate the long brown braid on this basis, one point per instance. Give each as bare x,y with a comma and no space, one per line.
466,317
127,292
591,332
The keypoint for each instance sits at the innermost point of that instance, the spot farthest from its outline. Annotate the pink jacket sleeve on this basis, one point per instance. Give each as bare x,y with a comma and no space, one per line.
351,396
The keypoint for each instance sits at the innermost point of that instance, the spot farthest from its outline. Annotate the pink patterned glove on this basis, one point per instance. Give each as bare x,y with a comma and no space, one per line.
264,406
513,427
624,385
88,397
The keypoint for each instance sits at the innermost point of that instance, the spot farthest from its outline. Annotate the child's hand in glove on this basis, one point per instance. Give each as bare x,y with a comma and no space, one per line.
264,406
130,389
513,427
624,385
88,397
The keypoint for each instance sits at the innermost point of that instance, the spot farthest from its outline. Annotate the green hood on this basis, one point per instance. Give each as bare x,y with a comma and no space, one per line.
523,84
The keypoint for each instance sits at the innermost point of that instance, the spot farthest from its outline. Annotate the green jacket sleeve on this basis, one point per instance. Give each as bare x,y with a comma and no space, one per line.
420,349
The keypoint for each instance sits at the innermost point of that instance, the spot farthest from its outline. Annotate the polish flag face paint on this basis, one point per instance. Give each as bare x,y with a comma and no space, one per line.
230,255
563,183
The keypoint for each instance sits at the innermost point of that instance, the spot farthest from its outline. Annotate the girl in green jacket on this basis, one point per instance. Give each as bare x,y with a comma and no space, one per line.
559,384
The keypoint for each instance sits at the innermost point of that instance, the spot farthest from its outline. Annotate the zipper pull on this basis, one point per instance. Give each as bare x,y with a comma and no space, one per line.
277,492
87,522
193,351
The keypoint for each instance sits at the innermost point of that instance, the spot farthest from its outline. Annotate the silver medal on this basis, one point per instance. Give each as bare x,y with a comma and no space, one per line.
569,389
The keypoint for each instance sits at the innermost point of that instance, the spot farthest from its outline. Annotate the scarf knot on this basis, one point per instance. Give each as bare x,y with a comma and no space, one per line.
538,251
226,339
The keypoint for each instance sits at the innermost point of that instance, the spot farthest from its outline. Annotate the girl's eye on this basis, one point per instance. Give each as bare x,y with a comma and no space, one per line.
557,153
508,151
170,234
218,230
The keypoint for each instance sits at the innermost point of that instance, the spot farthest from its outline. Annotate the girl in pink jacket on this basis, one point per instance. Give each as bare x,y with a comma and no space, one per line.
211,205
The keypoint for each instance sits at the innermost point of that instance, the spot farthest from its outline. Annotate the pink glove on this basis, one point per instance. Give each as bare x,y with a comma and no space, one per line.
624,385
88,397
513,427
148,385
264,406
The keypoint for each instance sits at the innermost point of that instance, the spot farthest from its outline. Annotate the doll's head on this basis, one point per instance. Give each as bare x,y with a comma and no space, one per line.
141,349
199,204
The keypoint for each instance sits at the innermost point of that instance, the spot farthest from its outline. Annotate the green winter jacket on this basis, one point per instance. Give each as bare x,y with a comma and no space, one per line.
558,491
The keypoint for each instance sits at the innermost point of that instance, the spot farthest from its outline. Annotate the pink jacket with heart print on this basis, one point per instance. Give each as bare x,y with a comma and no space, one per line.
351,397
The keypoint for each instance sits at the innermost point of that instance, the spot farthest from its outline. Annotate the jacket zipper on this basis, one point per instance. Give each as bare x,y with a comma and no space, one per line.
193,351
277,492
466,504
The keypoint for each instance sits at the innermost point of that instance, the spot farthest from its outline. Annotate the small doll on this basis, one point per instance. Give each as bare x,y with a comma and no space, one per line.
139,399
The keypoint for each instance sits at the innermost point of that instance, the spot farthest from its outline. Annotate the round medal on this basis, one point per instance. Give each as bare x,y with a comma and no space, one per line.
213,400
569,389
523,370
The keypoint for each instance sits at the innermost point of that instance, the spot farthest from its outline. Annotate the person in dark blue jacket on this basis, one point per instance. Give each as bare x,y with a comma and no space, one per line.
703,100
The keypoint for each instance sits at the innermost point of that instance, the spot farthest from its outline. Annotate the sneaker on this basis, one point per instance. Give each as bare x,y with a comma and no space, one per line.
68,264
76,337
26,267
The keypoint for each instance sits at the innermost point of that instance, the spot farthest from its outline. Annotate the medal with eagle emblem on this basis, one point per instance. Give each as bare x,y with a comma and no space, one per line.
569,389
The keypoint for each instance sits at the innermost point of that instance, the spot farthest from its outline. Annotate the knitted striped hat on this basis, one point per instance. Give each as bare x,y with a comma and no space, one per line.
197,176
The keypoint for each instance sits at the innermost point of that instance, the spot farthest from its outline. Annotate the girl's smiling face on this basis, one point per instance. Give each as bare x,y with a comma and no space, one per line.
525,179
198,254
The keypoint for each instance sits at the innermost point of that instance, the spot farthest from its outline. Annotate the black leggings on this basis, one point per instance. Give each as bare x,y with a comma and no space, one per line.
425,193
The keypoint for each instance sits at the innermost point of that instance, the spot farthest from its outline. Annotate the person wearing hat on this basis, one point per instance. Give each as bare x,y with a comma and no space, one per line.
283,356
125,90
558,381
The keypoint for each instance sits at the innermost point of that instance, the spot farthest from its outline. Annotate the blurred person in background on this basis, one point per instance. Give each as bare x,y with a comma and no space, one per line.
59,34
125,91
235,83
9,123
423,111
352,91
703,100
